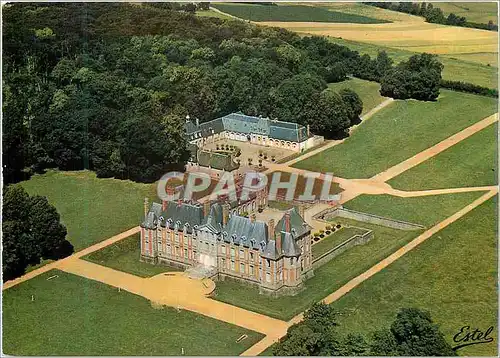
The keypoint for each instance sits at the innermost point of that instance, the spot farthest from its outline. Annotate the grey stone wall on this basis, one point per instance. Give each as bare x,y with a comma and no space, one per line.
337,250
329,214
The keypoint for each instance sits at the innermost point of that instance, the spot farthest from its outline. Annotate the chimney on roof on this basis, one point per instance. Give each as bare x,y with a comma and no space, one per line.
197,122
287,222
252,218
187,117
225,214
308,131
163,205
146,205
278,243
206,208
179,202
270,229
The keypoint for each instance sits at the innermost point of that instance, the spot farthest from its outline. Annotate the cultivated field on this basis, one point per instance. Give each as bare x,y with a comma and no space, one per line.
472,162
291,13
92,209
414,36
457,67
452,274
398,132
368,91
70,315
367,10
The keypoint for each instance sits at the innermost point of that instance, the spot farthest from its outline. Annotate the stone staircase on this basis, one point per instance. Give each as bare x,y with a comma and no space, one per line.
200,272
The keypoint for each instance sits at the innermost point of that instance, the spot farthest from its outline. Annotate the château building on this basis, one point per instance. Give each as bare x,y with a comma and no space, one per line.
214,237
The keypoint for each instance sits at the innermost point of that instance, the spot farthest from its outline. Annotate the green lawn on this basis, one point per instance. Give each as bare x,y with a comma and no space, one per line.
124,256
424,210
92,209
292,13
472,162
71,315
453,274
368,91
327,278
457,67
399,131
334,240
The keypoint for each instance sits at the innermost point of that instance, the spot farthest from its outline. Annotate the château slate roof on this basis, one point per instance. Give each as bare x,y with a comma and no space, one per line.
241,123
296,222
238,230
242,230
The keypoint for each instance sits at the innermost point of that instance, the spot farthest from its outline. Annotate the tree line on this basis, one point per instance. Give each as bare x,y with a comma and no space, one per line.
31,231
412,333
432,14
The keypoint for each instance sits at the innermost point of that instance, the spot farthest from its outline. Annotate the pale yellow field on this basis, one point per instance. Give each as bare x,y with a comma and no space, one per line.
413,36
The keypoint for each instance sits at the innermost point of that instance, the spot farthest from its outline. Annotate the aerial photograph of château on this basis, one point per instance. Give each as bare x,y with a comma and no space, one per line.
250,178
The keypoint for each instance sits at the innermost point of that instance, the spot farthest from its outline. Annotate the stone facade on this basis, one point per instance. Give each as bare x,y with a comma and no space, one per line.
256,130
275,257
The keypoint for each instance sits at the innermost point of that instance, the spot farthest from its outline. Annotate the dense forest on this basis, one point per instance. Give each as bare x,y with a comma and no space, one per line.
107,86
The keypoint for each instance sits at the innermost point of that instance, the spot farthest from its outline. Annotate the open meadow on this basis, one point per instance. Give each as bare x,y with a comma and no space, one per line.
452,275
92,209
70,315
472,162
398,132
423,210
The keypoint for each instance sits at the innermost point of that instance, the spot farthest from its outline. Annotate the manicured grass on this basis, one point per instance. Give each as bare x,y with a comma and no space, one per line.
293,13
71,315
399,131
327,278
472,162
465,68
424,210
92,209
368,91
452,274
334,239
124,256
